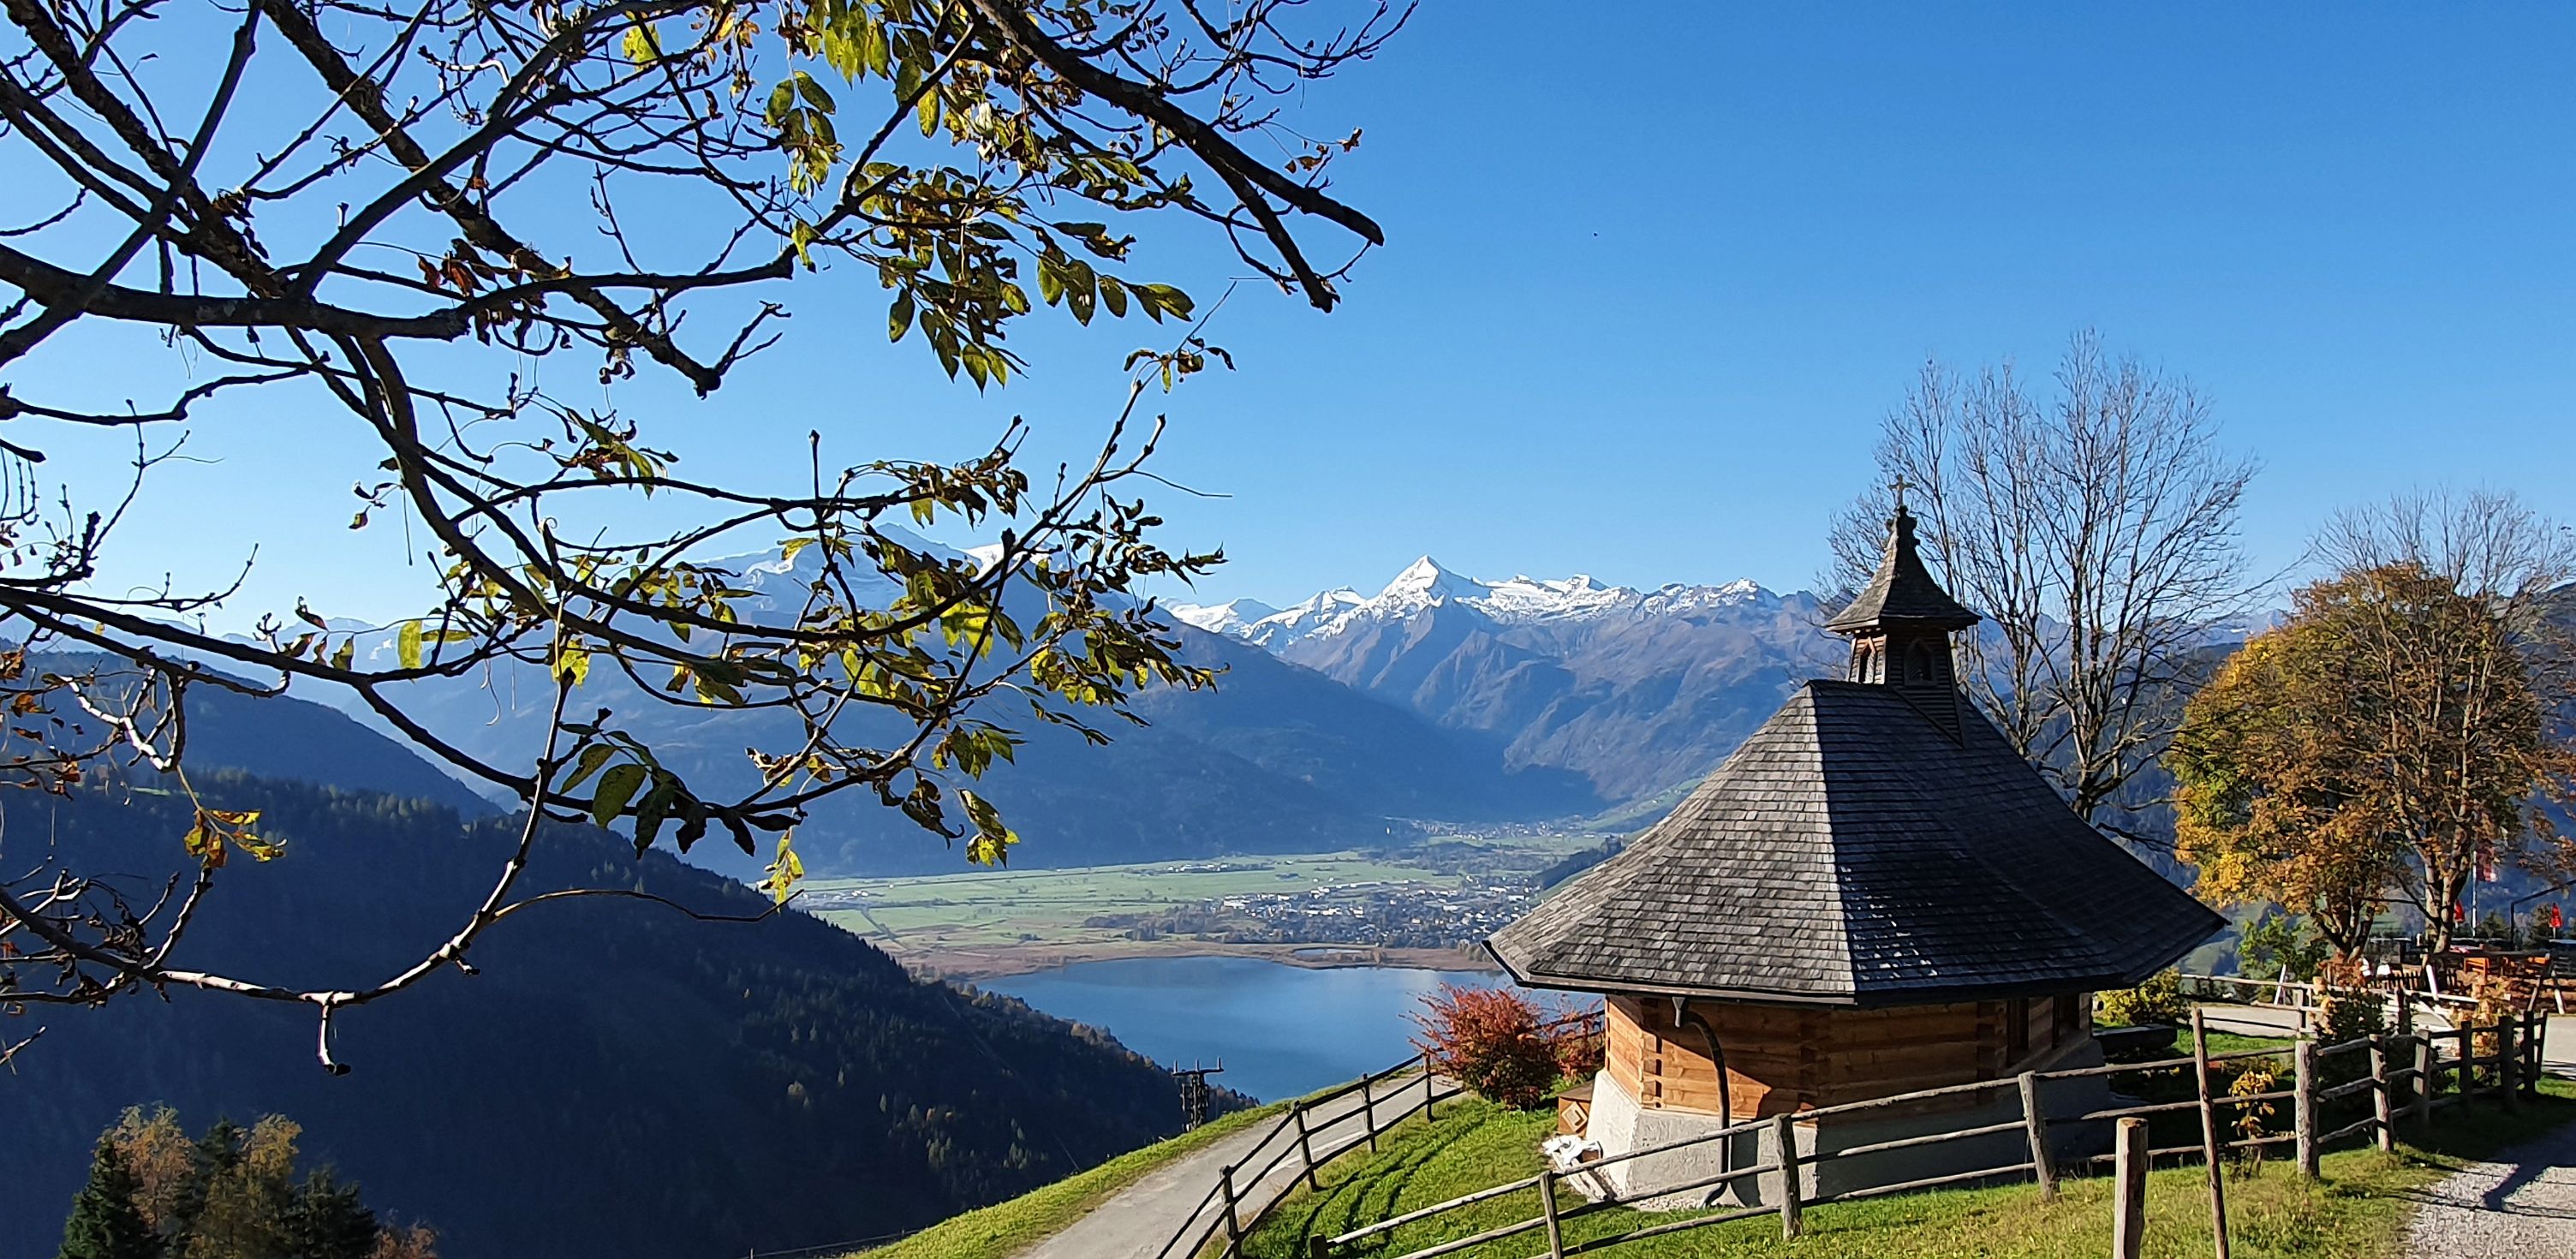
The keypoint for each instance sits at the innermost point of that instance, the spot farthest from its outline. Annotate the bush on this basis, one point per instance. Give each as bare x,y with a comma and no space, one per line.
1492,1041
2159,1000
1579,1053
2281,944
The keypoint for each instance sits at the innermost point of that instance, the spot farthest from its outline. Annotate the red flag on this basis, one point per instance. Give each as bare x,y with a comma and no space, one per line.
2486,862
2556,919
2458,914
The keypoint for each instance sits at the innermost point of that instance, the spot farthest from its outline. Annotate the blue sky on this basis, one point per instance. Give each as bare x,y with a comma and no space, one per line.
1653,276
1651,282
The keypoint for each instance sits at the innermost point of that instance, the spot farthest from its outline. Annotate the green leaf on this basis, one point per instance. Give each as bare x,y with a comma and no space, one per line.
780,881
407,645
782,98
1079,289
899,319
812,91
572,661
656,806
641,45
991,845
348,651
1113,295
1168,298
592,758
616,787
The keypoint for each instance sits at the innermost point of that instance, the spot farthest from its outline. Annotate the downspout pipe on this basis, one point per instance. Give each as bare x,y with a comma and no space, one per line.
1685,1016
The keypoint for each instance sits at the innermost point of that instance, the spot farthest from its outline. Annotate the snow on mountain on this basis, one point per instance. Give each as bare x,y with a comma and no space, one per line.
1281,628
1229,617
1424,584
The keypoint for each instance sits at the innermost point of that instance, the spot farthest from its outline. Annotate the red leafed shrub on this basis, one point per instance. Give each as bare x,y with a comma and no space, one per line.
1579,1048
1497,1043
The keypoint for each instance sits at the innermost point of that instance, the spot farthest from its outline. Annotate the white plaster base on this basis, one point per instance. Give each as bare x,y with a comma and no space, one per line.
1619,1124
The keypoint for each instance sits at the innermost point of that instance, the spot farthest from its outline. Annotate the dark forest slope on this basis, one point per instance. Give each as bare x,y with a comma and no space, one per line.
619,1080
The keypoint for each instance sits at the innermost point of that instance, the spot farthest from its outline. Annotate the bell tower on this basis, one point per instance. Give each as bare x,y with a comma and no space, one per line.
1900,627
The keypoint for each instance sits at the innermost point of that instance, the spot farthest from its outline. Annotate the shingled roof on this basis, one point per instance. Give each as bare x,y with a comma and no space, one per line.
1852,852
1902,589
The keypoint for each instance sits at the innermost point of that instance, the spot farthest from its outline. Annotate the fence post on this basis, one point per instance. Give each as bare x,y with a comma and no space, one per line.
1306,1147
2464,1076
2535,1042
2034,1122
2129,1192
2507,1058
1368,1113
2209,1133
1784,1135
1547,1209
1427,1095
2382,1105
1233,1224
2303,1112
1319,1248
2423,1079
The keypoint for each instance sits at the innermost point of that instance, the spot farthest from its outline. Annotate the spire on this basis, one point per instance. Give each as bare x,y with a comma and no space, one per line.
1903,591
1900,628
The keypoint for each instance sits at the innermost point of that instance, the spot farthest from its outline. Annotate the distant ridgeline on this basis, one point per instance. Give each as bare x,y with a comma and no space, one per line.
618,1081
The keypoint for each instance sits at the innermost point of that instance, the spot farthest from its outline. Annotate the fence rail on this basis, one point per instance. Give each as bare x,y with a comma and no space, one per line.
1316,1130
2411,1092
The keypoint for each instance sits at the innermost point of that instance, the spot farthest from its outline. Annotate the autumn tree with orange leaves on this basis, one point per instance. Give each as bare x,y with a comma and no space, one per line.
2398,731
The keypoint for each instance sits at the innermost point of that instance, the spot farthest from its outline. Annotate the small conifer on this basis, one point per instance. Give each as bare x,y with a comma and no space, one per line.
105,1224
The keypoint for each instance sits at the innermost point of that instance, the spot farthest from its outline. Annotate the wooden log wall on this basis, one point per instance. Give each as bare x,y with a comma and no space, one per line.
1781,1059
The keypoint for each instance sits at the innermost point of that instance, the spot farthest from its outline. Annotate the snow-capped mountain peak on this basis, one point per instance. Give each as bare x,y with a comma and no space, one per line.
1424,581
1425,584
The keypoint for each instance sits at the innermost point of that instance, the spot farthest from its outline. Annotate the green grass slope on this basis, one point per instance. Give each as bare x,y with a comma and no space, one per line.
2359,1209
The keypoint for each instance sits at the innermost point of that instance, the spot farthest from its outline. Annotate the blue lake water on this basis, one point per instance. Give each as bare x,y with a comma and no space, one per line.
1281,1030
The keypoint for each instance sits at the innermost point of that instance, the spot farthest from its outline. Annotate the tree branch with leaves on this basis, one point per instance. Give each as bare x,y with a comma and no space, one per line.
432,201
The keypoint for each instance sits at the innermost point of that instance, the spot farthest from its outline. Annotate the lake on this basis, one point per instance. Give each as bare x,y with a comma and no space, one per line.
1282,1031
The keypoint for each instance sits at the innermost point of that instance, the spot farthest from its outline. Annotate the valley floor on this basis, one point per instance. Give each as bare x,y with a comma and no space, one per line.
967,965
1424,904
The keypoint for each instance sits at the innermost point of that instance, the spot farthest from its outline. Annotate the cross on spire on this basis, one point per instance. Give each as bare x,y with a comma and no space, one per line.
1900,485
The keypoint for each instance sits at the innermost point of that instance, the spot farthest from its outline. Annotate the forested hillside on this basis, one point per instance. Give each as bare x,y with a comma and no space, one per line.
619,1080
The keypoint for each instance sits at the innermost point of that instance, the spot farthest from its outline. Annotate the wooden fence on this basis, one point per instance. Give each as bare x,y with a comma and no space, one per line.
2405,1081
2307,999
1312,1133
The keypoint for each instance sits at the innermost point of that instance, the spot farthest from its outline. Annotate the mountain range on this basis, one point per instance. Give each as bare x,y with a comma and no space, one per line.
1348,720
1636,691
1440,700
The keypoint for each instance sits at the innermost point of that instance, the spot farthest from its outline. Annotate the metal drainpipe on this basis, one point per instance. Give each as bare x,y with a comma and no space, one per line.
1685,1016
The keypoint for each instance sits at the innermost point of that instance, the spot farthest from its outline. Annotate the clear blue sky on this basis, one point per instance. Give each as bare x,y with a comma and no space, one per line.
1651,281
1652,277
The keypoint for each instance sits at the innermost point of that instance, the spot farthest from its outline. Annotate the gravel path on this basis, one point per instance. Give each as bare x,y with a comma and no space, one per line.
2519,1207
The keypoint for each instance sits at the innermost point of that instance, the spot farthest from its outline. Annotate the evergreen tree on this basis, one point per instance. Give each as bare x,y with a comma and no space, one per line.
325,1220
248,1194
105,1224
